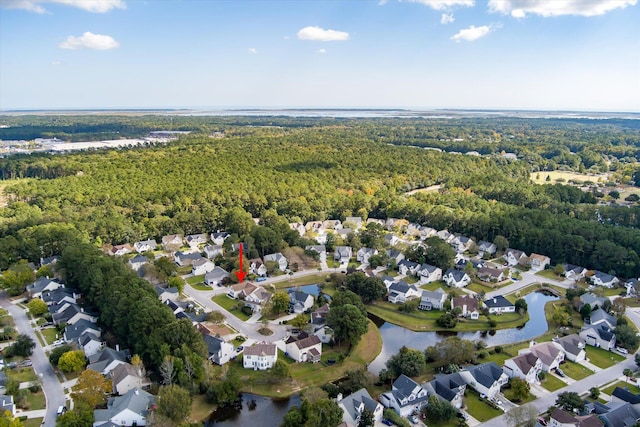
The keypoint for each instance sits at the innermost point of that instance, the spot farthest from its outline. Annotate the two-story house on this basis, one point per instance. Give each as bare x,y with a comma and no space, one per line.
433,300
455,278
277,258
406,396
260,356
429,273
526,366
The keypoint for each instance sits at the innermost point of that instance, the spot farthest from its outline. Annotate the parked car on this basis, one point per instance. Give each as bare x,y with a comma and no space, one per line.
26,362
58,342
622,350
413,419
386,422
239,349
560,372
261,279
61,410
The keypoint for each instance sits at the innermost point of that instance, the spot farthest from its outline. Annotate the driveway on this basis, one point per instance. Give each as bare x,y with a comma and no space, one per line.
53,391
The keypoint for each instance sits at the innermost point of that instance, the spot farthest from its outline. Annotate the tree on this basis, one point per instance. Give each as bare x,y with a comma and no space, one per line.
501,243
348,297
627,373
520,389
570,400
138,365
438,410
626,337
300,321
22,346
408,361
560,317
279,302
72,361
8,420
439,253
174,402
57,352
522,416
366,419
521,305
16,278
176,282
594,392
80,416
279,372
91,388
215,317
585,311
37,307
447,320
637,359
368,288
348,323
451,350
167,370
323,413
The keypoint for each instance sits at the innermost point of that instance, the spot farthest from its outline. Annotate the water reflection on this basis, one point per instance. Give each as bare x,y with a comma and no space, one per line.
394,337
253,410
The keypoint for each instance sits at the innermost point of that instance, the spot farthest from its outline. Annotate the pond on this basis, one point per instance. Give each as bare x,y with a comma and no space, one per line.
394,337
253,410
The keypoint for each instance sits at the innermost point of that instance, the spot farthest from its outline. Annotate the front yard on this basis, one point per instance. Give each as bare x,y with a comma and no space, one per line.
553,383
230,305
603,358
629,385
479,409
508,393
575,370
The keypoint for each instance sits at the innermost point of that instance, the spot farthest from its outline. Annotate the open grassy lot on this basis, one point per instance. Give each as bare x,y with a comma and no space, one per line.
478,409
632,302
21,375
575,370
541,177
50,334
36,401
421,320
603,358
629,385
229,304
200,408
302,281
305,375
435,285
200,286
552,383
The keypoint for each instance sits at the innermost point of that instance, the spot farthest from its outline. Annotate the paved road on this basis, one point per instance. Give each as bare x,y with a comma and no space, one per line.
528,278
53,391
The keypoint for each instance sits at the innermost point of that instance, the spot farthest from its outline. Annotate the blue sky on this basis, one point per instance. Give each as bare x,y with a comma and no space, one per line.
499,54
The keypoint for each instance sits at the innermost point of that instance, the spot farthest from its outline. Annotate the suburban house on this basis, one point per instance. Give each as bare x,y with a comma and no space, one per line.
486,248
241,290
400,292
562,418
356,221
59,296
106,360
202,266
429,273
220,352
137,262
324,332
550,354
354,404
43,284
538,262
615,414
449,388
90,344
488,274
574,272
395,223
71,314
219,237
235,247
73,332
461,263
405,397
260,356
257,267
456,278
598,336
215,276
212,251
343,254
343,233
172,242
573,347
445,235
632,286
433,300
364,254
298,227
315,227
623,395
119,250
186,258
167,293
603,279
395,255
257,298
195,240
7,404
469,306
412,229
318,316
299,301
526,366
125,378
332,224
599,316
461,244
486,378
592,299
145,245
406,267
131,409
515,257
277,258
308,349
321,250
499,304
391,239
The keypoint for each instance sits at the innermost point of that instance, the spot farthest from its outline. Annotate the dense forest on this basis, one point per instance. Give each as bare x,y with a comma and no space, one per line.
310,169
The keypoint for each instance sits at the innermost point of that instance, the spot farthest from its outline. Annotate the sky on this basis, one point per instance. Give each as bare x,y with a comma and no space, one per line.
416,54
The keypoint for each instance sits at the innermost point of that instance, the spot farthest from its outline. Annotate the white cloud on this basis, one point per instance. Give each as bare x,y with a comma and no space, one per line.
447,18
443,4
546,8
56,63
89,41
253,50
316,33
472,33
323,50
95,6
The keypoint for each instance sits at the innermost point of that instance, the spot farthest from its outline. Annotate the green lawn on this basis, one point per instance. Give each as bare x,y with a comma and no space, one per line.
50,335
477,287
229,304
36,401
200,286
435,285
21,374
632,387
632,302
508,393
195,279
575,370
301,281
32,422
552,383
478,409
613,291
549,274
603,358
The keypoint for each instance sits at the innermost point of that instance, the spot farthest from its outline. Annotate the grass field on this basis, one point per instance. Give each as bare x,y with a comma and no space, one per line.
541,177
21,374
478,409
549,274
603,358
229,304
552,383
632,387
301,281
575,370
195,279
36,401
508,393
32,422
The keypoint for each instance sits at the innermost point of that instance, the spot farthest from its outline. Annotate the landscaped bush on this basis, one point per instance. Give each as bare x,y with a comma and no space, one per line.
392,416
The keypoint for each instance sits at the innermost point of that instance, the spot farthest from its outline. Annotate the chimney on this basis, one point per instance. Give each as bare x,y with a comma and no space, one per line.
117,347
494,300
136,391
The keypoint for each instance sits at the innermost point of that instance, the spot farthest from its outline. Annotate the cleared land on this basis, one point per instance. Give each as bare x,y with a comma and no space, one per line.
541,177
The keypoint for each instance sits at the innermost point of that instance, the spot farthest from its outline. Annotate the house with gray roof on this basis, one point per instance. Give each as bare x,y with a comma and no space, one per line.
406,267
219,237
599,316
599,335
343,254
278,258
574,272
433,300
126,377
137,262
260,356
486,248
60,296
405,397
592,299
220,351
167,293
131,409
515,257
195,240
42,284
449,388
395,255
73,332
429,273
562,418
299,301
354,404
573,346
499,304
620,415
212,251
603,279
90,344
71,313
455,278
215,276
7,404
486,378
526,366
364,254
622,394
400,292
186,258
145,245
106,360
321,250
355,220
468,305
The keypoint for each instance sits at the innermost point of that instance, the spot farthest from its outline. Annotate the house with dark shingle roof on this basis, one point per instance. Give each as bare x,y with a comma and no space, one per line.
429,273
574,272
449,388
622,394
499,304
433,300
562,418
619,415
406,267
90,344
573,346
194,240
299,301
405,397
526,366
600,316
603,279
549,353
400,292
145,245
308,349
487,248
128,410
260,356
59,296
216,276
354,405
125,378
73,332
515,257
598,336
468,305
220,352
106,360
456,278
486,378
41,285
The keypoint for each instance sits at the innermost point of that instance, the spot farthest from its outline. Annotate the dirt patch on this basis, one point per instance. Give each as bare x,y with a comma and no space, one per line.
215,329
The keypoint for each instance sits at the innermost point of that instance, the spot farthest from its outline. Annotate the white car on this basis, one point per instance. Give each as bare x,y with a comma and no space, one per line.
58,342
622,350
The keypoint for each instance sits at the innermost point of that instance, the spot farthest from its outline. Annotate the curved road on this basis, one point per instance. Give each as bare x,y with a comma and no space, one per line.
53,391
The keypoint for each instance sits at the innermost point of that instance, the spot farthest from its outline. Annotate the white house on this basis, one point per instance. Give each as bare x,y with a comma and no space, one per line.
126,377
486,378
364,254
145,245
406,396
499,304
486,248
515,257
538,262
449,388
107,360
400,292
526,366
137,262
195,240
406,267
119,250
257,267
260,356
549,353
219,237
43,284
172,242
343,254
603,279
573,347
299,301
277,258
202,266
455,278
298,227
220,352
598,336
433,300
131,409
324,332
354,404
429,273
574,272
468,305
308,349
321,250
212,251
257,299
90,344
186,258
215,276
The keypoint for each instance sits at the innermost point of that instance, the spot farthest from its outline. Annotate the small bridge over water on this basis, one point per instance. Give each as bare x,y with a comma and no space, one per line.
550,290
